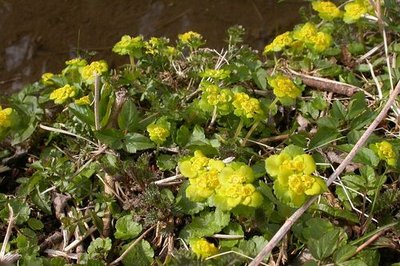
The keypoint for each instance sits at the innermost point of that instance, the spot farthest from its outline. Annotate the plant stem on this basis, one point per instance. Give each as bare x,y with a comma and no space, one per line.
248,135
97,101
132,61
238,129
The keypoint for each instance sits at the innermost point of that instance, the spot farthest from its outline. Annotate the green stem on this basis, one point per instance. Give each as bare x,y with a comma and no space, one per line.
273,103
238,129
253,127
132,61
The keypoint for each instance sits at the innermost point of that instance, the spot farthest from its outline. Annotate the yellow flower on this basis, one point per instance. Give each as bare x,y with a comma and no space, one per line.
354,11
321,41
326,10
46,78
193,166
284,89
236,173
95,68
79,62
158,133
215,73
189,37
5,117
203,186
203,248
60,95
305,32
83,100
246,106
129,46
280,42
385,152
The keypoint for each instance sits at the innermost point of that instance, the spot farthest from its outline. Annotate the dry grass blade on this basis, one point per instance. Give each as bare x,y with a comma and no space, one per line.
299,212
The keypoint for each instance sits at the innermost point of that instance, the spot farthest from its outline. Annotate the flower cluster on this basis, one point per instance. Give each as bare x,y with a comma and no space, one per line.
85,100
158,46
292,173
385,152
95,68
279,43
60,95
246,106
129,46
191,39
202,248
159,131
228,185
214,97
217,74
306,35
46,78
5,117
353,10
326,10
284,89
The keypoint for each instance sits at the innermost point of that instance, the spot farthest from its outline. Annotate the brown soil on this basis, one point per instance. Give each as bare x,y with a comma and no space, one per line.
38,36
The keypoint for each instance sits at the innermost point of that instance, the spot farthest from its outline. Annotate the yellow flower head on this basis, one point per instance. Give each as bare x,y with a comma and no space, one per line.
78,62
60,95
189,36
354,11
321,41
281,41
236,173
85,100
326,10
305,32
284,89
5,117
202,248
46,78
191,39
95,68
215,73
203,186
246,106
158,133
193,166
129,46
385,152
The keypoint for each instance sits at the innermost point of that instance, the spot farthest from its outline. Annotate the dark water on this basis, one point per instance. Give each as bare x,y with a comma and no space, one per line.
38,36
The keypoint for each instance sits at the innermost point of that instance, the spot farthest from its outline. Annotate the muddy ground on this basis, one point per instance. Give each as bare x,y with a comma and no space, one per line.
38,36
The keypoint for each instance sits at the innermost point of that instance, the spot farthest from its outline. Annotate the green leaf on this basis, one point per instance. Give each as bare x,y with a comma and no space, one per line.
182,136
99,246
357,105
337,213
207,224
128,118
364,155
338,111
83,113
126,228
141,255
19,207
35,224
111,137
344,253
252,246
328,122
323,137
362,120
133,142
260,78
324,247
166,162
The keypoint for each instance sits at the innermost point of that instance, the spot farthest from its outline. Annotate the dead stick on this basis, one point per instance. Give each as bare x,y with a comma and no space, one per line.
370,240
299,212
324,84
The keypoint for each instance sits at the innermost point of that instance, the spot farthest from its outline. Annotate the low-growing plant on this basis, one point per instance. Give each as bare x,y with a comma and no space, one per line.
187,155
